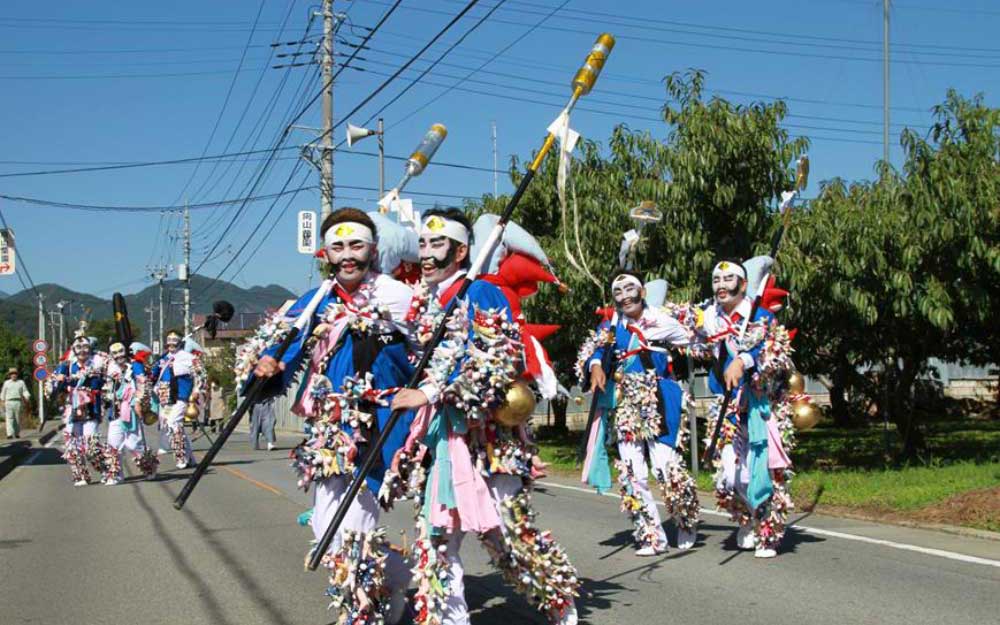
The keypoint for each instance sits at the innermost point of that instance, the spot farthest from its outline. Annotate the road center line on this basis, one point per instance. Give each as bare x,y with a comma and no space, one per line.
940,553
244,476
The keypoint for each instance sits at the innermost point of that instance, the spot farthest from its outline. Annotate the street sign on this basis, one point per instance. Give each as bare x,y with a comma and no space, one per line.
40,359
40,345
41,373
307,232
8,257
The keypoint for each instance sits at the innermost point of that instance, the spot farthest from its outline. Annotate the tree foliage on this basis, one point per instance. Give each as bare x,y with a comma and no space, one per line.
15,351
889,273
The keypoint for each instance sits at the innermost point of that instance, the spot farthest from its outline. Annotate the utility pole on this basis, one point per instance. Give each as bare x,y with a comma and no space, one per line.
187,269
381,158
150,309
326,158
41,386
159,274
493,132
885,80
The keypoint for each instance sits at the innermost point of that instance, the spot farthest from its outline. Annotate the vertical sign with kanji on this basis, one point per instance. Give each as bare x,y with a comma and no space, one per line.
307,232
7,256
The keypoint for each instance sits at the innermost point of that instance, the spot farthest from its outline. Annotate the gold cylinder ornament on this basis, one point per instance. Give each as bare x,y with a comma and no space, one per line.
802,173
425,151
805,415
796,383
587,75
518,405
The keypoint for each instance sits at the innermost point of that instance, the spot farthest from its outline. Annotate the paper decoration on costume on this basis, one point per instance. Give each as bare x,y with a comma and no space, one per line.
396,243
8,256
307,232
515,239
656,292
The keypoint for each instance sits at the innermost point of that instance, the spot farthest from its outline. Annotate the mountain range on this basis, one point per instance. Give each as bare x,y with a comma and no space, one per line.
20,310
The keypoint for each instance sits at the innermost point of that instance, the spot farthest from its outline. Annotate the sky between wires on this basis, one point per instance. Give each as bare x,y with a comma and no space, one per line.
127,82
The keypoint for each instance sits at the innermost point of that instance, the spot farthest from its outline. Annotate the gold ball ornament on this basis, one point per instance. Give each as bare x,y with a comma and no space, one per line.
150,418
805,415
619,376
191,412
518,405
796,383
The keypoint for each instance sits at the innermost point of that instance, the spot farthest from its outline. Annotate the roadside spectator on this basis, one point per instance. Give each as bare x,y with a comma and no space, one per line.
262,422
14,395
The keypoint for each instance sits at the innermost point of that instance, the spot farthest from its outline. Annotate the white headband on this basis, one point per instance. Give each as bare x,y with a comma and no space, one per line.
623,279
438,226
348,231
726,268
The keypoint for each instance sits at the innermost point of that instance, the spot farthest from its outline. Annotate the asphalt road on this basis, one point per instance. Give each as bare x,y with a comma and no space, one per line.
234,556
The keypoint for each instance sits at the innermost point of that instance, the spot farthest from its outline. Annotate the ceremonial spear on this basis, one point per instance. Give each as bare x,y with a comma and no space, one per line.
582,83
414,167
801,178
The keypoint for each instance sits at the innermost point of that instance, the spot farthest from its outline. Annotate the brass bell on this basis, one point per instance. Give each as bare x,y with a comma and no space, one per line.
796,383
578,401
805,414
191,412
619,376
518,405
149,417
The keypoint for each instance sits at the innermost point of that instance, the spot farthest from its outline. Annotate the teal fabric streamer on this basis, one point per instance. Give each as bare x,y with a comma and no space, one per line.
437,439
600,469
760,488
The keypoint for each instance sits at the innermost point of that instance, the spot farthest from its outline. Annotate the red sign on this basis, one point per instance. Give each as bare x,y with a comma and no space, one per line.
41,373
40,359
40,345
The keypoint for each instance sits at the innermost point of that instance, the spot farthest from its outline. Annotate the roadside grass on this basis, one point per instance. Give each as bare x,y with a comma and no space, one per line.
844,468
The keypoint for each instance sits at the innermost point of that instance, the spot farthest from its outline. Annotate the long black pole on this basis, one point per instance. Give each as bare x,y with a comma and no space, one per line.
374,451
250,398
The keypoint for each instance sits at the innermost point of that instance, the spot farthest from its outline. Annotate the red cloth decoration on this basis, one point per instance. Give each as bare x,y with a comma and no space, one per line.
773,298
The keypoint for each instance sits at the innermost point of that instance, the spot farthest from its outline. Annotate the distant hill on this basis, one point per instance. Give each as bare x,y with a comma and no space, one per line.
20,310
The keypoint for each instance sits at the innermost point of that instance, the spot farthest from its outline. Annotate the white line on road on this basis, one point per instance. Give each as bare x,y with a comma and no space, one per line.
950,555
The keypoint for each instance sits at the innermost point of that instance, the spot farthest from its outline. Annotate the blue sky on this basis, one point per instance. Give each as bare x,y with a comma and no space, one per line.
121,81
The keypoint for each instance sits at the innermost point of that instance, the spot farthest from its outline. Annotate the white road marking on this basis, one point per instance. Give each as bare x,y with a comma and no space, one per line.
940,553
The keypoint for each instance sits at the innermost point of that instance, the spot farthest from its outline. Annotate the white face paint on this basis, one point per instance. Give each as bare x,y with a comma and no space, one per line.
727,289
82,351
439,258
628,299
350,260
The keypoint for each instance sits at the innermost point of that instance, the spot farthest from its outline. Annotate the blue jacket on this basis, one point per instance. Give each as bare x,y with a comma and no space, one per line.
94,382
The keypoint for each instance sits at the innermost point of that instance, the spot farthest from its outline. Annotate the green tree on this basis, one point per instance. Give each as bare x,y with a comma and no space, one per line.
890,273
104,331
716,177
15,351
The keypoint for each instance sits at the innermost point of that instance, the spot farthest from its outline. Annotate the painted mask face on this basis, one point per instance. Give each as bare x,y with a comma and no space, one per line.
117,352
628,299
350,259
173,343
81,349
438,258
728,288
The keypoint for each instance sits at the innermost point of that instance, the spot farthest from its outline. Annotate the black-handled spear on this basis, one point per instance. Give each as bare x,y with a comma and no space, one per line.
582,83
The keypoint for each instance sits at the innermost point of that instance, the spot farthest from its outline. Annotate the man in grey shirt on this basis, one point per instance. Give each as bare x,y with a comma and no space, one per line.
13,394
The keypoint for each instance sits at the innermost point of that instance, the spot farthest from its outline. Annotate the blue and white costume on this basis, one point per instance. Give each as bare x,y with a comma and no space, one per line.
646,404
174,380
125,426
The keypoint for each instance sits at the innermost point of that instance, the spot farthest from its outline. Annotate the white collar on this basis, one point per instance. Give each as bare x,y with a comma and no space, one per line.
742,309
447,282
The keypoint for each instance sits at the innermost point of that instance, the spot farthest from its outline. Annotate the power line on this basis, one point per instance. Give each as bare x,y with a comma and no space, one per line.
225,101
145,209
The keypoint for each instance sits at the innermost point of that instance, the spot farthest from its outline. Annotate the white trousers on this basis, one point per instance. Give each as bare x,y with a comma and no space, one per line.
362,516
83,429
735,474
175,421
456,611
660,455
120,439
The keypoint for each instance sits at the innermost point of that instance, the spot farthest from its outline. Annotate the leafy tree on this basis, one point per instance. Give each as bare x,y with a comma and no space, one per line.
104,331
890,273
15,351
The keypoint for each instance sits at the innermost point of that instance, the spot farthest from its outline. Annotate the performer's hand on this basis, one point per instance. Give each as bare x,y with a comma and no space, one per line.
538,467
597,378
268,367
60,378
409,399
734,373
